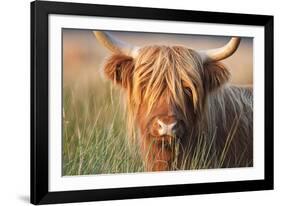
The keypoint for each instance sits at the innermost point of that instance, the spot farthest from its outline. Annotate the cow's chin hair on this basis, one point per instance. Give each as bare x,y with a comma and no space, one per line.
163,139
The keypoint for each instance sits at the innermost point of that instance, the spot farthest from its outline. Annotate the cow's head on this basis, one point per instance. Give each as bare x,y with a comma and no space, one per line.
166,86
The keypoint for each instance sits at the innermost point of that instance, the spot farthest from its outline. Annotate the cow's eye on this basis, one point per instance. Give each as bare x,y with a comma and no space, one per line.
187,91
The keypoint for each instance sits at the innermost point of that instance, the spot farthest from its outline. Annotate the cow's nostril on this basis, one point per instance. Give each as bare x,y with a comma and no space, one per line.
174,126
159,125
175,129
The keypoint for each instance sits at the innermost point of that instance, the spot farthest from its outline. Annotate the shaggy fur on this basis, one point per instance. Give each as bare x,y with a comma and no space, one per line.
175,80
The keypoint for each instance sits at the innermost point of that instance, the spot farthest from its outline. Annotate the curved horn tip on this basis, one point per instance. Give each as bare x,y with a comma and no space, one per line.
222,52
115,45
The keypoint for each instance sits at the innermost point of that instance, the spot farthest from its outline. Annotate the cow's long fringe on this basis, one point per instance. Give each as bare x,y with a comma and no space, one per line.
175,71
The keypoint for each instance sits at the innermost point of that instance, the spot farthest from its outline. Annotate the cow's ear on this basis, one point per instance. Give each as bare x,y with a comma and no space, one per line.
215,75
119,69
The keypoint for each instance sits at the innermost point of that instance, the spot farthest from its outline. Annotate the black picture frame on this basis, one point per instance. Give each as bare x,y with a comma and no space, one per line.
40,98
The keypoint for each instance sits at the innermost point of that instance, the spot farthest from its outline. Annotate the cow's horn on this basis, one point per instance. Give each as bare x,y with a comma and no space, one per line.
115,45
222,52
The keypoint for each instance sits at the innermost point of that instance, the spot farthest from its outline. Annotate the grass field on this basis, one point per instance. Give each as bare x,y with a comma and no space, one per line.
94,138
95,141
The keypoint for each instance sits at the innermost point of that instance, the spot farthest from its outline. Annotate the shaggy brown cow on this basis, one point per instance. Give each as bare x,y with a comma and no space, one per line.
180,101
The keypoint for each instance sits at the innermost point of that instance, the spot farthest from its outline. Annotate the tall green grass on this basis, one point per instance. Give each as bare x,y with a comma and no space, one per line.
94,134
95,141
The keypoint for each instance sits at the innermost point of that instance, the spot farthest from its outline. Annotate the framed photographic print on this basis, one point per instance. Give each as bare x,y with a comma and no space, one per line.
131,102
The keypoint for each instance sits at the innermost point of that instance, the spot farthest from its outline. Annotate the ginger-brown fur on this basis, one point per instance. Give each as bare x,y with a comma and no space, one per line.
173,81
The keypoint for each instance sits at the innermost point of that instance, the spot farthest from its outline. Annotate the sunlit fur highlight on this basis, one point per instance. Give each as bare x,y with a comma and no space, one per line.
160,68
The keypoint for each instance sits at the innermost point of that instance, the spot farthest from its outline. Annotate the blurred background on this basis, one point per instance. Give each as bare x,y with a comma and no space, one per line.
83,55
94,126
